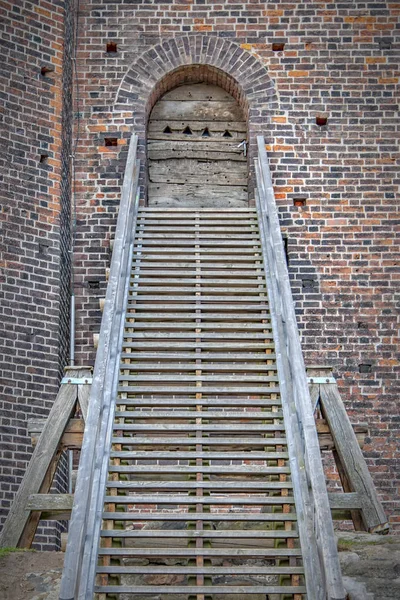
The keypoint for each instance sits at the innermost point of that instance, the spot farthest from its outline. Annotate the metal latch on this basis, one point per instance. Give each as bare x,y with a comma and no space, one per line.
243,144
77,380
321,380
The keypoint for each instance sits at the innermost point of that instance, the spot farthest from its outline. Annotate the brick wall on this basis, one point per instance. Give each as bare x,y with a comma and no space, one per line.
34,260
335,183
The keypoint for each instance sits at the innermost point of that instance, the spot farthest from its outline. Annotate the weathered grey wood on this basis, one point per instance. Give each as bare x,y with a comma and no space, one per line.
250,468
238,378
222,486
207,224
197,91
315,525
279,517
225,213
230,367
40,462
134,300
204,241
206,455
71,438
322,561
166,150
196,110
182,499
237,129
208,390
239,569
178,542
50,502
215,327
189,335
157,469
352,460
240,309
83,539
198,234
197,589
195,195
189,552
225,534
211,441
197,414
234,345
229,427
198,171
183,163
225,402
341,500
83,399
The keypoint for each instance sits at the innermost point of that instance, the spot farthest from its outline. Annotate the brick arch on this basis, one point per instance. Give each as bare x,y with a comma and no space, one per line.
194,59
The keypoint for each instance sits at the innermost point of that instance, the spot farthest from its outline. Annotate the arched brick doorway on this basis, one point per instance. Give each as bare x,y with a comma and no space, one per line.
196,149
189,59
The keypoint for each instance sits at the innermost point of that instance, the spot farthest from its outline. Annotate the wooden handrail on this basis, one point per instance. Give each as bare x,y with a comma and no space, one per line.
320,557
83,538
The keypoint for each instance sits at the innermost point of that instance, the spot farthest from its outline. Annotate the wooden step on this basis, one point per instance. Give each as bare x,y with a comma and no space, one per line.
197,414
213,402
179,470
204,455
213,486
193,534
198,432
194,314
204,570
191,517
189,552
206,441
192,366
196,297
260,309
205,390
137,324
203,378
224,213
183,499
198,589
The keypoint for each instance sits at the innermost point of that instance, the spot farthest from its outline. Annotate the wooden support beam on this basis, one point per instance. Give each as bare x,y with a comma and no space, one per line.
352,468
20,526
59,506
73,433
352,459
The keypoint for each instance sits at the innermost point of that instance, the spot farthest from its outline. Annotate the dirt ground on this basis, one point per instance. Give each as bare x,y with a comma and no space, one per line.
30,575
370,565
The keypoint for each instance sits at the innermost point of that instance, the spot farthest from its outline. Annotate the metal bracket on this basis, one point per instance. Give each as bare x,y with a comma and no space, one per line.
77,380
321,380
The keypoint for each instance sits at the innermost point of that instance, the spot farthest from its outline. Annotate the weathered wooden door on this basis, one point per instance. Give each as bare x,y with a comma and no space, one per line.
195,152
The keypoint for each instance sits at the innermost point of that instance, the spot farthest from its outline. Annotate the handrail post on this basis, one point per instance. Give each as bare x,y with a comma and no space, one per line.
291,365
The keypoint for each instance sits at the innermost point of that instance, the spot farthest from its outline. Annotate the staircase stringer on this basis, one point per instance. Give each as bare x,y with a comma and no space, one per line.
301,492
293,378
85,519
105,440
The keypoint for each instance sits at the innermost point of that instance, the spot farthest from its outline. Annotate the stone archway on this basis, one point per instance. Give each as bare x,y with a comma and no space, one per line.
194,59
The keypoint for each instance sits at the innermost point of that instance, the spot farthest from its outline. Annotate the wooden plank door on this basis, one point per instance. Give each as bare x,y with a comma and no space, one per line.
193,149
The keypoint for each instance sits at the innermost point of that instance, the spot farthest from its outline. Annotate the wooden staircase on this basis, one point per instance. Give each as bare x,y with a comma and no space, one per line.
199,473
